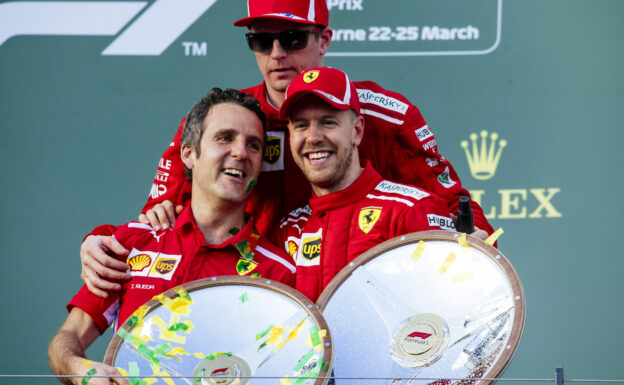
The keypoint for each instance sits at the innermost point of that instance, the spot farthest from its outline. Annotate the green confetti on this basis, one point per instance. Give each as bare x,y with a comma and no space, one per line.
148,353
178,326
262,345
213,356
307,376
323,365
304,360
234,230
201,374
264,333
314,336
244,297
243,246
89,374
134,341
255,275
132,320
251,184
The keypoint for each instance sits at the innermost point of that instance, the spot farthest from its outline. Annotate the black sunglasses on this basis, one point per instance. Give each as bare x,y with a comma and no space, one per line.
291,40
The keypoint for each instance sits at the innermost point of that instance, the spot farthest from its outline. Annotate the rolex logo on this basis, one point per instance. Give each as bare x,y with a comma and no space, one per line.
483,159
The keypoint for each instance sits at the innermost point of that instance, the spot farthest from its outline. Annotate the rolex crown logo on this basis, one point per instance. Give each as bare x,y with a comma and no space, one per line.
482,159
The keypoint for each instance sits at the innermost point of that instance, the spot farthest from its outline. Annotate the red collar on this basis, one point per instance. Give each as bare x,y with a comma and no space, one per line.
186,225
350,195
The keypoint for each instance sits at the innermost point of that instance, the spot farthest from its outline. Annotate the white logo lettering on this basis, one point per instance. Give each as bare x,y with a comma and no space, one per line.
441,222
150,34
412,192
424,133
381,100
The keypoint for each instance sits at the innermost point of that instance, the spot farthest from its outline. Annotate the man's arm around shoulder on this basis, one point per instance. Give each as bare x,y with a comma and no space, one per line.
66,352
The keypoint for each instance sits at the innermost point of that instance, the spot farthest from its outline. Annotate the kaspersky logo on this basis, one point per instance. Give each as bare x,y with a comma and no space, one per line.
513,203
145,29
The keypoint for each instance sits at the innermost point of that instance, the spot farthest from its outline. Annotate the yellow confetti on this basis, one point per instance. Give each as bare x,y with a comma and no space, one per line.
492,238
86,363
165,334
447,262
292,334
461,239
199,355
178,305
285,381
418,251
160,373
461,277
122,371
177,351
141,311
275,336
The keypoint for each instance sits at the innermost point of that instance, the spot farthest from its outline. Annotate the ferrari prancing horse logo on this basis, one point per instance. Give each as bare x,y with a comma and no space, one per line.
310,76
368,217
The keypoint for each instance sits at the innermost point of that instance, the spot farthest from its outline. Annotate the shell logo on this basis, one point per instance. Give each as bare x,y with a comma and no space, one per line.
139,262
292,248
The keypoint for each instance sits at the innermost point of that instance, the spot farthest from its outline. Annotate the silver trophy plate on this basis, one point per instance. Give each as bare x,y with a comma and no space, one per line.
430,305
225,331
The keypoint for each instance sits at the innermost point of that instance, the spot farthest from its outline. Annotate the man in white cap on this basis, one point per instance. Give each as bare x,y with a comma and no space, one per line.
352,207
288,37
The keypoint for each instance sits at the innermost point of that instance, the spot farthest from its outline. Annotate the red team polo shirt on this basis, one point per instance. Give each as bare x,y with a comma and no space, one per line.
161,260
333,229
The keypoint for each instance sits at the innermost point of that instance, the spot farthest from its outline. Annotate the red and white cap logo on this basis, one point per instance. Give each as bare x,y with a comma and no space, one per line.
312,12
330,84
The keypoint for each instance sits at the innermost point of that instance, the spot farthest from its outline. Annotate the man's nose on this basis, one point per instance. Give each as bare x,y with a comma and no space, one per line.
277,51
314,133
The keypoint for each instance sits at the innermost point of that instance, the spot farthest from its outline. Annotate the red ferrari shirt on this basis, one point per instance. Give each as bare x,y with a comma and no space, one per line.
332,230
161,260
397,141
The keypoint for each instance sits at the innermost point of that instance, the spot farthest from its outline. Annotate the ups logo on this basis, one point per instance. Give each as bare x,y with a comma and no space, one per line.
311,248
164,266
272,149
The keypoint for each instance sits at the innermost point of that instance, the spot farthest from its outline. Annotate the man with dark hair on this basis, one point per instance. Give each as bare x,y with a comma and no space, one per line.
352,207
287,38
222,142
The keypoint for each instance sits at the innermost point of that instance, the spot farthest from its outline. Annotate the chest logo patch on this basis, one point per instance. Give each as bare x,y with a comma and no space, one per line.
272,149
139,262
244,266
368,217
311,248
152,264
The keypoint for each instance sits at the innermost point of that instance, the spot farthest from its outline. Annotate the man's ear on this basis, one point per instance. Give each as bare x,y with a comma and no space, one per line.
325,39
188,156
358,127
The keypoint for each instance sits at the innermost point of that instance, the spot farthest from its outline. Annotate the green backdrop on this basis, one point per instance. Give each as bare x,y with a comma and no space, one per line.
84,123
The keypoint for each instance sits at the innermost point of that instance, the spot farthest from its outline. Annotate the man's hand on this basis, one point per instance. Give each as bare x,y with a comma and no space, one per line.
93,368
481,234
161,216
478,233
99,269
66,353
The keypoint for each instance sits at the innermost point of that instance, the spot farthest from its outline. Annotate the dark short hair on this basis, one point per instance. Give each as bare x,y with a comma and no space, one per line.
194,125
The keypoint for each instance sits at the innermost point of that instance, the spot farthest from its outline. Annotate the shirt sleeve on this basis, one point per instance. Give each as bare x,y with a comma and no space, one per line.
102,310
170,182
429,213
416,161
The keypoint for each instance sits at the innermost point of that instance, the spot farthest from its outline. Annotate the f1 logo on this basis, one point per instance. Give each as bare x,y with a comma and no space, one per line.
155,29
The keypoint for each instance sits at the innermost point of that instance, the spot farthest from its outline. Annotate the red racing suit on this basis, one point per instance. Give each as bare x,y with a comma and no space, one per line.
332,230
397,141
161,260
